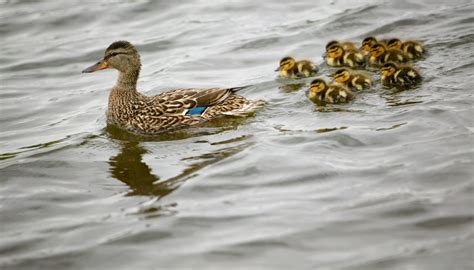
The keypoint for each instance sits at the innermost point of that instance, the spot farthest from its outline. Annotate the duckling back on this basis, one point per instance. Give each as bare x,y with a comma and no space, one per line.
306,68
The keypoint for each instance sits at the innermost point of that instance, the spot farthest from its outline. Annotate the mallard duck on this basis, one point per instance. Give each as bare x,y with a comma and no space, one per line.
135,112
352,79
320,92
336,56
290,68
380,54
402,76
346,45
413,49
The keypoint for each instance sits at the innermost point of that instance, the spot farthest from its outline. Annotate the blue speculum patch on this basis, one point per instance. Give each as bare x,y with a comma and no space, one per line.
196,111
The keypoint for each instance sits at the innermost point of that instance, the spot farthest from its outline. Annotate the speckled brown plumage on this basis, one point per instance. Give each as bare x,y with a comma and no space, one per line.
130,110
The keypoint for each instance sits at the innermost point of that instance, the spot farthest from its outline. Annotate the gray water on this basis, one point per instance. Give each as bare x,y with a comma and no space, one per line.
385,182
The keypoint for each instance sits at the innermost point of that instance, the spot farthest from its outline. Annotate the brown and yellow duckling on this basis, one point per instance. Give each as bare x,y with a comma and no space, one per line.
290,68
413,49
336,56
367,43
346,45
320,92
353,79
400,76
130,110
380,54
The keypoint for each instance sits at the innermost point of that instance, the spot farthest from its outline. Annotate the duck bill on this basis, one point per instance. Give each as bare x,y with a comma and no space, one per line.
97,66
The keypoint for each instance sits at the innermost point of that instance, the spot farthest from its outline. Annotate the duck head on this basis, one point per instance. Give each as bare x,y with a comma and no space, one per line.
120,55
377,50
335,51
317,86
342,75
367,43
394,43
287,63
388,69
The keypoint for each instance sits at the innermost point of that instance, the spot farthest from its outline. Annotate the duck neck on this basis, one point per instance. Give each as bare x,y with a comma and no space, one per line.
127,80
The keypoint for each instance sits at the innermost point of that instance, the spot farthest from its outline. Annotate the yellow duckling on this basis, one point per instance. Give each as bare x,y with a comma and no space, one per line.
380,54
346,45
352,79
367,43
320,92
338,57
401,76
290,68
413,49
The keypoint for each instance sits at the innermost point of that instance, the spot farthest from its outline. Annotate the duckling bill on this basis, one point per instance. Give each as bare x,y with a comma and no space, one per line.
130,110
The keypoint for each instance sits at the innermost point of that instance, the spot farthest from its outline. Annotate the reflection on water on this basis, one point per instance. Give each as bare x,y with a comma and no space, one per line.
287,88
128,165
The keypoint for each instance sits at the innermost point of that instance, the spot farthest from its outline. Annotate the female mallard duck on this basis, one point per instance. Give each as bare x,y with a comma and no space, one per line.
380,54
413,49
401,76
336,56
130,110
352,79
290,68
320,92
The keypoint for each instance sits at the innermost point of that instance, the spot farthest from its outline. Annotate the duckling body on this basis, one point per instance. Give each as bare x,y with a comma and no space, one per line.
337,56
290,68
135,112
352,79
401,76
320,92
380,54
413,49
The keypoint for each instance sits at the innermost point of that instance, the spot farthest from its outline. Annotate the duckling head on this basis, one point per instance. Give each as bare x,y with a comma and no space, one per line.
342,75
120,55
377,49
394,43
367,43
388,69
335,50
330,43
317,86
287,63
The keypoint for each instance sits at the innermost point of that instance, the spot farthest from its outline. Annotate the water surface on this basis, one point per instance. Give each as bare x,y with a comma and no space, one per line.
385,182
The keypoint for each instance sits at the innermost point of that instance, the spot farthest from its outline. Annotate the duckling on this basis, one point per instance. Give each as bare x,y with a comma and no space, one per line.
367,43
346,45
352,79
380,54
413,49
320,92
290,68
337,57
404,76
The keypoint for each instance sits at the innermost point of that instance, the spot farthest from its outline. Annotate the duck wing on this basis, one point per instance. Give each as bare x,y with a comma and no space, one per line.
180,101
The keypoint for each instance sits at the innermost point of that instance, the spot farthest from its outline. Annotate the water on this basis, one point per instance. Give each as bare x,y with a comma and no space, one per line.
385,182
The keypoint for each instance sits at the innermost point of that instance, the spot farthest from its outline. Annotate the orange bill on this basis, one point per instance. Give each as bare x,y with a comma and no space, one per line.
98,66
